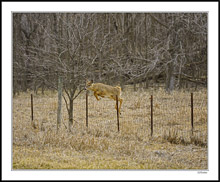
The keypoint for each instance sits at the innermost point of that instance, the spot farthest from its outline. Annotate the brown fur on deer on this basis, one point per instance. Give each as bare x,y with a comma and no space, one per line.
103,90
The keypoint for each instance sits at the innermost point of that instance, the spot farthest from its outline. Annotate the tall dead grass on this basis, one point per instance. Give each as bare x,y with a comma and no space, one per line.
101,146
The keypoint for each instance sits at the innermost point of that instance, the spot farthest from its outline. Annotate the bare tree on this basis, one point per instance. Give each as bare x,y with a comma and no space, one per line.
117,48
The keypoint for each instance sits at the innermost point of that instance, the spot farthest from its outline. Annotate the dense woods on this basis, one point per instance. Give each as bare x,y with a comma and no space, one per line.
113,48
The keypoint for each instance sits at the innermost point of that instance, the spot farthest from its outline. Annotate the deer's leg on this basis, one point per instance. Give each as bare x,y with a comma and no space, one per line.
114,98
119,109
95,94
121,100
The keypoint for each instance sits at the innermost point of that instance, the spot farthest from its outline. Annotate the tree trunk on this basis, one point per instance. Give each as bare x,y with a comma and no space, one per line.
70,114
59,108
170,79
135,87
42,88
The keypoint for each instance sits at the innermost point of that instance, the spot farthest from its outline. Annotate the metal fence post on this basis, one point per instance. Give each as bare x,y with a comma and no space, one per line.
151,115
192,111
32,108
117,112
87,109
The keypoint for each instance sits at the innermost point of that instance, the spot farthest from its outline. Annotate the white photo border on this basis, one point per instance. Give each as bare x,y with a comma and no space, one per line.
9,7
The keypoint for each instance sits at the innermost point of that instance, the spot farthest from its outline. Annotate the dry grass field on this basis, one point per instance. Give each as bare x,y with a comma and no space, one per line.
101,146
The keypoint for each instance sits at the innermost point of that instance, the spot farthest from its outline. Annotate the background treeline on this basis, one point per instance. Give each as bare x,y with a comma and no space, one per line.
113,48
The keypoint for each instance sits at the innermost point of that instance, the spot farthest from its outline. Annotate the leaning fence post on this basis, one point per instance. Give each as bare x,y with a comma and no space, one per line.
117,112
192,111
32,108
151,114
60,85
87,109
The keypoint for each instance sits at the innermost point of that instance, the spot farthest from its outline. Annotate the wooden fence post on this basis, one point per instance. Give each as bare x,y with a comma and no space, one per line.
87,109
151,114
117,112
192,111
60,85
